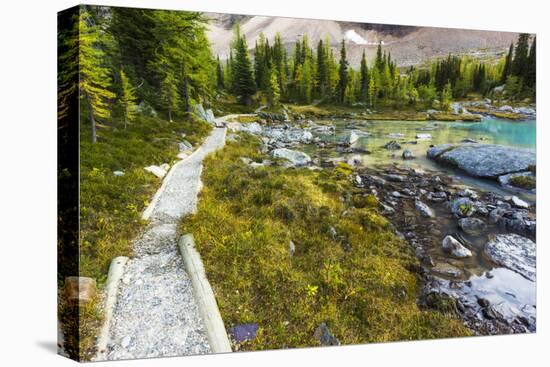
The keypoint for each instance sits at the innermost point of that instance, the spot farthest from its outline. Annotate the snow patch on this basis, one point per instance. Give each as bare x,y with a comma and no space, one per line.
354,37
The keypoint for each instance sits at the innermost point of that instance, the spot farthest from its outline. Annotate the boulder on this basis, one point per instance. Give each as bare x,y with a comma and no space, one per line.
472,226
295,157
514,252
484,160
424,209
455,248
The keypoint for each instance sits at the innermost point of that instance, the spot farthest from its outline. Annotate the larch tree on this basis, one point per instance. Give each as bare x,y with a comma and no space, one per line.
127,99
94,78
169,94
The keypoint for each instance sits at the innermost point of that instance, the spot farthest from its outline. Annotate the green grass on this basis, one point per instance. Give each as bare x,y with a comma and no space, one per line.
357,282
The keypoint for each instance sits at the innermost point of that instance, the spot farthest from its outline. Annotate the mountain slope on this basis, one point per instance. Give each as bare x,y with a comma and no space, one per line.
409,45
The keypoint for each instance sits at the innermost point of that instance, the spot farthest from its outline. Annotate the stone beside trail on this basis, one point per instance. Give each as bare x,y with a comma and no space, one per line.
484,160
156,314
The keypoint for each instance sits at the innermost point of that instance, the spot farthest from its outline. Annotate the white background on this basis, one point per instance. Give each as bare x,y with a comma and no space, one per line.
28,181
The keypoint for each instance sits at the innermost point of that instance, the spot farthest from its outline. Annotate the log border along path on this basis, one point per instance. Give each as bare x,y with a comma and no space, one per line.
150,309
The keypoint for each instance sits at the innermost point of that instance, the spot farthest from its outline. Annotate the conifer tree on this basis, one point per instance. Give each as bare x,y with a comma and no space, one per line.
507,69
322,70
127,98
220,78
242,70
95,78
169,94
532,65
364,78
273,94
519,66
342,74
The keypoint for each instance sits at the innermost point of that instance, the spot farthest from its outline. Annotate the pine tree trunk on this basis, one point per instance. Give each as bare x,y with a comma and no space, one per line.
91,118
186,94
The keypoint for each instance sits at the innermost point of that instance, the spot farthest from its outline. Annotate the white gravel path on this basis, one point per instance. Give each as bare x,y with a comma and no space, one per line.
156,314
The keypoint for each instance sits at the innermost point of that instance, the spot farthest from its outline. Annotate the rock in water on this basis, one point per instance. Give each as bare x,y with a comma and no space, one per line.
425,210
484,160
423,136
463,207
351,138
392,145
295,157
455,248
514,252
407,154
518,203
472,226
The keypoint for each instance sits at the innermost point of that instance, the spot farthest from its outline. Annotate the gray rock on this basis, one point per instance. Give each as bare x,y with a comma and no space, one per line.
396,135
156,170
518,203
392,145
291,248
504,180
407,154
438,196
395,178
424,136
472,226
295,157
462,207
118,173
184,145
514,252
325,337
455,248
424,209
484,160
447,270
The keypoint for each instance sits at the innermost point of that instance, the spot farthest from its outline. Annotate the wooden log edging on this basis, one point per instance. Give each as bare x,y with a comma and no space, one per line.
111,290
204,296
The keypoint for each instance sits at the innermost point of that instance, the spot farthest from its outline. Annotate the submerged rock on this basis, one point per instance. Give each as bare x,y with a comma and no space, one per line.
455,248
407,154
472,226
295,157
514,252
484,160
505,180
447,270
392,145
424,136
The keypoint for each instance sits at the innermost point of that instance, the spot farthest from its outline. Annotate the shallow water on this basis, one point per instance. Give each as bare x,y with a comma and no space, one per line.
489,130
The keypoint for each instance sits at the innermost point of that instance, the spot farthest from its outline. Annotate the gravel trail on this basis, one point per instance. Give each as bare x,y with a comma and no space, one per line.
156,314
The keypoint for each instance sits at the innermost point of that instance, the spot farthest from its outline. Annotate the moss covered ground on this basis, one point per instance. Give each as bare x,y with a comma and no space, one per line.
289,249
